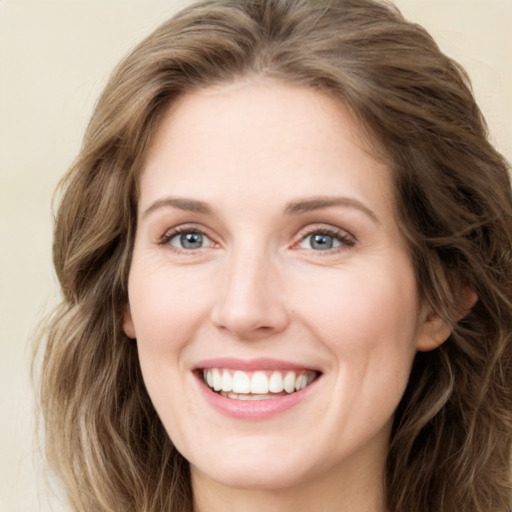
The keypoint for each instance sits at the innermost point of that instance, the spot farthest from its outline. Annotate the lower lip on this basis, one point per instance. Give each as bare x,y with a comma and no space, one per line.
254,409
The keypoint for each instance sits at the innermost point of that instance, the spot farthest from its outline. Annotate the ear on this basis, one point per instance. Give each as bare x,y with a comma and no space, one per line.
435,331
128,327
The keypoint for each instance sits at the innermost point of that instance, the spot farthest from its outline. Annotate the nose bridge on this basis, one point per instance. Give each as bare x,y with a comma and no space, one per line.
250,301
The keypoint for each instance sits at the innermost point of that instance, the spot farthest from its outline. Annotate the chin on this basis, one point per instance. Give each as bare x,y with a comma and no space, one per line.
254,476
254,466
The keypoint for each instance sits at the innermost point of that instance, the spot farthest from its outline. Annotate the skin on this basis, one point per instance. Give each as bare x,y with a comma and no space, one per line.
259,288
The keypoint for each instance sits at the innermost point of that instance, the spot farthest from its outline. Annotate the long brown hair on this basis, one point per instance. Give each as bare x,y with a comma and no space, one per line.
451,442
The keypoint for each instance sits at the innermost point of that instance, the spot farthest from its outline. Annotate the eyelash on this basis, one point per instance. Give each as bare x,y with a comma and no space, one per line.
346,240
169,235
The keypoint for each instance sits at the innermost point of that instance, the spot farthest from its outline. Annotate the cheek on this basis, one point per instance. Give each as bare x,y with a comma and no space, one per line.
358,310
369,322
166,311
166,307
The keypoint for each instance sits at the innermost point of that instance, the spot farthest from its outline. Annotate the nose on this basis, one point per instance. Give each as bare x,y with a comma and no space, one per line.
251,301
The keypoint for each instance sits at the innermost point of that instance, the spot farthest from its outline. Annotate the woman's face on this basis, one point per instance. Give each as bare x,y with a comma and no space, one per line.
268,255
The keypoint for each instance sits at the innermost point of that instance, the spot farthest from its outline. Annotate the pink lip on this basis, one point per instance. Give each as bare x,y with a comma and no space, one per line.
251,409
250,365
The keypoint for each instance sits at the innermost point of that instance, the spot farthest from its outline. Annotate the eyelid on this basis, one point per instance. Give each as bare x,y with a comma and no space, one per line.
169,234
346,238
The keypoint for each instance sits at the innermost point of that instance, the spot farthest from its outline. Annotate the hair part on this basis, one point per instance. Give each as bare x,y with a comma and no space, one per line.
451,442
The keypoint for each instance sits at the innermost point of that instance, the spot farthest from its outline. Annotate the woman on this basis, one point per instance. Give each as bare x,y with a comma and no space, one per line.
284,251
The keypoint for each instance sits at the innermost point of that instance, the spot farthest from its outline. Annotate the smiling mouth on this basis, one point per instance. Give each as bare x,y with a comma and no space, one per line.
257,385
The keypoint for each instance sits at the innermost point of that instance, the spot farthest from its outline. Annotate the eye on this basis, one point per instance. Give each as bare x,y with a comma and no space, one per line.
325,240
319,242
187,240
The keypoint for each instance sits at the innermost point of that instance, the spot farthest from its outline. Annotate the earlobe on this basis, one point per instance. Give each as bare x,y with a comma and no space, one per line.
128,327
435,331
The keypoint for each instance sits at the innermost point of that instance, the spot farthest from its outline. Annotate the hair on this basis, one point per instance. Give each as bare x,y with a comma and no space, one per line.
450,448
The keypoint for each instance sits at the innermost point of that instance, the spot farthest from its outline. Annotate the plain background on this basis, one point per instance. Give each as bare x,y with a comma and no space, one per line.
55,56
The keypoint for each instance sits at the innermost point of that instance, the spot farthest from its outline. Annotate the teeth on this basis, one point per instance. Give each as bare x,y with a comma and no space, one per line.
259,385
217,380
289,382
301,382
209,378
275,383
227,381
241,382
234,396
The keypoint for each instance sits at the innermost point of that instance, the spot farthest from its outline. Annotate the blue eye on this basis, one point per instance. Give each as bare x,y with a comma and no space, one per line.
190,240
319,242
323,241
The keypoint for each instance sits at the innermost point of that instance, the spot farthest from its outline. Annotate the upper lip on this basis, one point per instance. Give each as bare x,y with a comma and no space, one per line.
252,364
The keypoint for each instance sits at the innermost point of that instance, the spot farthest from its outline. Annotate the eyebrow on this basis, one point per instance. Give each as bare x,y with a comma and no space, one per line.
294,208
190,205
316,203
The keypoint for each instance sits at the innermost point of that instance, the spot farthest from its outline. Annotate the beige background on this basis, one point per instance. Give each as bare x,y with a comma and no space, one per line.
54,58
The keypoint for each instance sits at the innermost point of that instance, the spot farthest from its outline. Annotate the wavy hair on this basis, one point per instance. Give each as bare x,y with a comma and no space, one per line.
451,440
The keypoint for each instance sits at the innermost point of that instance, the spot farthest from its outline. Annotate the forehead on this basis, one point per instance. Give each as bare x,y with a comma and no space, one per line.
246,138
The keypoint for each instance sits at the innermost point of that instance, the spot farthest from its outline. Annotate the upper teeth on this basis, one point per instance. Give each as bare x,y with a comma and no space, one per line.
259,382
